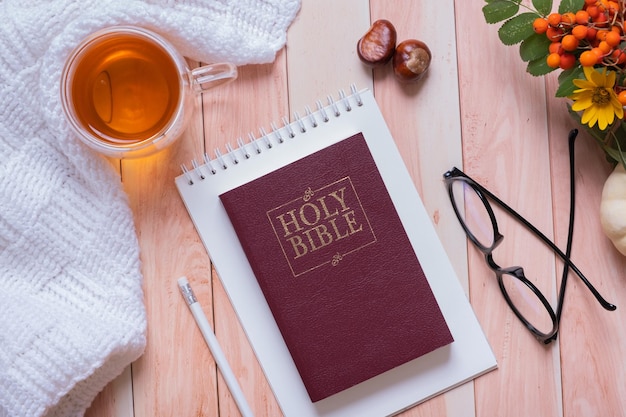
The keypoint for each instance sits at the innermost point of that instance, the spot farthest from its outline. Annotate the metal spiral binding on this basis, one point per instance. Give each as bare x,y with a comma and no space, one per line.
277,136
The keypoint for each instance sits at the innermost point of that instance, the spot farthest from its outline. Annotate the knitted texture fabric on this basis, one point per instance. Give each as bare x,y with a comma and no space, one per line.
71,304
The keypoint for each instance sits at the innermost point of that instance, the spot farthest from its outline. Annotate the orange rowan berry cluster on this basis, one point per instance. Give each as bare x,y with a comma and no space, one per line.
591,36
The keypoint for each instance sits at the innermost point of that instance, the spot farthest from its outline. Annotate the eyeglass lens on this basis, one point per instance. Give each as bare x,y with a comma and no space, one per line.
527,303
474,215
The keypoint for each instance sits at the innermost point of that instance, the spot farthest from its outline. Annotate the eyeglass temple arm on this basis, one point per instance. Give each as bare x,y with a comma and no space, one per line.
605,304
570,225
570,230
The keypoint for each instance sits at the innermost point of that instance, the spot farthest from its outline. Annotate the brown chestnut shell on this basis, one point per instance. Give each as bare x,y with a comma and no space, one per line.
378,44
411,60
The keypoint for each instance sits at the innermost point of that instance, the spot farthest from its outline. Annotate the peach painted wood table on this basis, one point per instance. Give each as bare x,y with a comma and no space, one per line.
476,109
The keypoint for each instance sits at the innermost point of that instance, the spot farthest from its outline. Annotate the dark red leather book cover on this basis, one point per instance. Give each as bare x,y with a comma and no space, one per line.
336,267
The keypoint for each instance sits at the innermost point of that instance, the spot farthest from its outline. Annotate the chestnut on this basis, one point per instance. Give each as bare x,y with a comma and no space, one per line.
378,44
411,60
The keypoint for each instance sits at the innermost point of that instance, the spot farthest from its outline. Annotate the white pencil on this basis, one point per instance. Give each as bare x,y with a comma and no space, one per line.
216,350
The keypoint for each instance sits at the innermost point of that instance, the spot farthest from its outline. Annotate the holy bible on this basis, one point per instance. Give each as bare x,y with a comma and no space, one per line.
336,267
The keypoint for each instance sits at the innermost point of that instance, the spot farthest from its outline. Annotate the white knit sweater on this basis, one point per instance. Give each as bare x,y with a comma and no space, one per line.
71,305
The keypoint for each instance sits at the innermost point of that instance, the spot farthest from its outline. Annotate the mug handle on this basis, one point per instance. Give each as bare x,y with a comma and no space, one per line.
209,76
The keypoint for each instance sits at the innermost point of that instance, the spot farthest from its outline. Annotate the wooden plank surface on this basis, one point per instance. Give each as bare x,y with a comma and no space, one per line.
425,123
226,120
476,109
505,148
593,348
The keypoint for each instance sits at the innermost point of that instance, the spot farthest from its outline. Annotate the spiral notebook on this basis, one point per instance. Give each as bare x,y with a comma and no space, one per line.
336,267
351,121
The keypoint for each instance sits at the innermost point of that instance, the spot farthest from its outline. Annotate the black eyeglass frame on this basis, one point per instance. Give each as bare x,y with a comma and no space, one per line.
517,272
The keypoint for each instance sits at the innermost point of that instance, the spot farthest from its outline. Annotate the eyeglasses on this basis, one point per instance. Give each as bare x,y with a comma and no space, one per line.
470,202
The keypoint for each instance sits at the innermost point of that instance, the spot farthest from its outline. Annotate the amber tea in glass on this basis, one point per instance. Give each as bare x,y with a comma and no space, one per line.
127,92
125,89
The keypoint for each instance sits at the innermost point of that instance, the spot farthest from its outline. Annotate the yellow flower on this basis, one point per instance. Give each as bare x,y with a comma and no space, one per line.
596,97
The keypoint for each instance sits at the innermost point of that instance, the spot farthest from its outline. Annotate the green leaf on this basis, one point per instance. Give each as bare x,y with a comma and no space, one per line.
499,10
616,155
621,156
534,47
539,67
566,86
517,29
571,6
619,141
544,7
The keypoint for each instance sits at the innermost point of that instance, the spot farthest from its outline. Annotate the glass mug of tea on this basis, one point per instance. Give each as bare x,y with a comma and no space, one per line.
128,93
